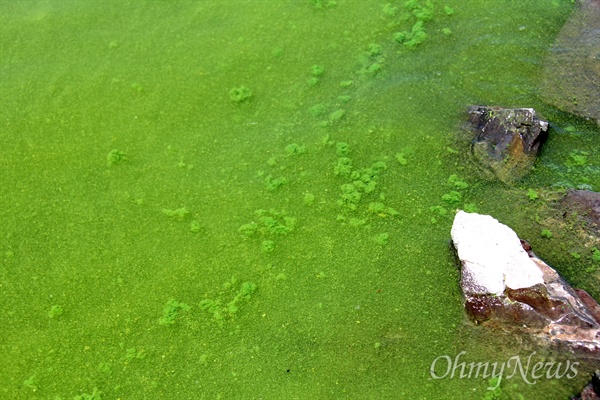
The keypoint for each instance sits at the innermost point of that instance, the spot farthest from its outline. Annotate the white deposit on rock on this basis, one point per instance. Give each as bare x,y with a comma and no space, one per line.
492,256
508,286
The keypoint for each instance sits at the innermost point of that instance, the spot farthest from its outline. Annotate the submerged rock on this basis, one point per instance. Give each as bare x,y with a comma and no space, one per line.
507,140
586,204
506,285
571,77
578,219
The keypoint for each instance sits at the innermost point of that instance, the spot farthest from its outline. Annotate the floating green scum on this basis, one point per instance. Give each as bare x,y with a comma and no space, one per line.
253,199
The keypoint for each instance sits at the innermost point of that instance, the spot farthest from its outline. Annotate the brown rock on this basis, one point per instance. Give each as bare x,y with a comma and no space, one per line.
590,303
505,285
506,140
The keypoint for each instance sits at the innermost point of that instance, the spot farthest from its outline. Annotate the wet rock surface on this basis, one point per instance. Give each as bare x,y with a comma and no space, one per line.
506,140
571,77
507,286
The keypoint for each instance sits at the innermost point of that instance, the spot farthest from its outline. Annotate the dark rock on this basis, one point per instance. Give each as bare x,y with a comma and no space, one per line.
592,390
507,286
506,140
571,77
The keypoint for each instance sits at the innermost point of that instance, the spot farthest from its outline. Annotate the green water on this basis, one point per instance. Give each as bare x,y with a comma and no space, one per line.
129,167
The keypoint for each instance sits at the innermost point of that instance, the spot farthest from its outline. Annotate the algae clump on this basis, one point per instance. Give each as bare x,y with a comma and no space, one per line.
274,183
382,239
343,166
295,149
317,110
115,156
132,354
220,310
95,395
55,311
309,199
240,94
179,213
195,226
452,197
342,149
270,223
595,254
171,310
337,115
268,246
317,70
412,38
456,183
532,194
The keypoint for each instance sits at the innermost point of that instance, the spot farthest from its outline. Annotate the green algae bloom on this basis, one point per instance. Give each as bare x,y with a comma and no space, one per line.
318,110
295,149
357,222
317,70
596,254
401,158
272,183
55,311
412,38
178,213
470,208
270,222
115,156
439,210
171,311
343,166
195,226
268,246
342,149
240,94
341,272
350,197
546,234
452,197
456,183
337,115
221,310
532,194
382,239
309,199
95,395
133,354
312,81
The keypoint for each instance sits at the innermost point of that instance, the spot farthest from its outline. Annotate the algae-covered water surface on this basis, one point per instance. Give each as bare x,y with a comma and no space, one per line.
253,199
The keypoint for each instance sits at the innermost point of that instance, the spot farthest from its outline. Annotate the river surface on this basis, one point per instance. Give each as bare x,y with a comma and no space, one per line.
246,199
